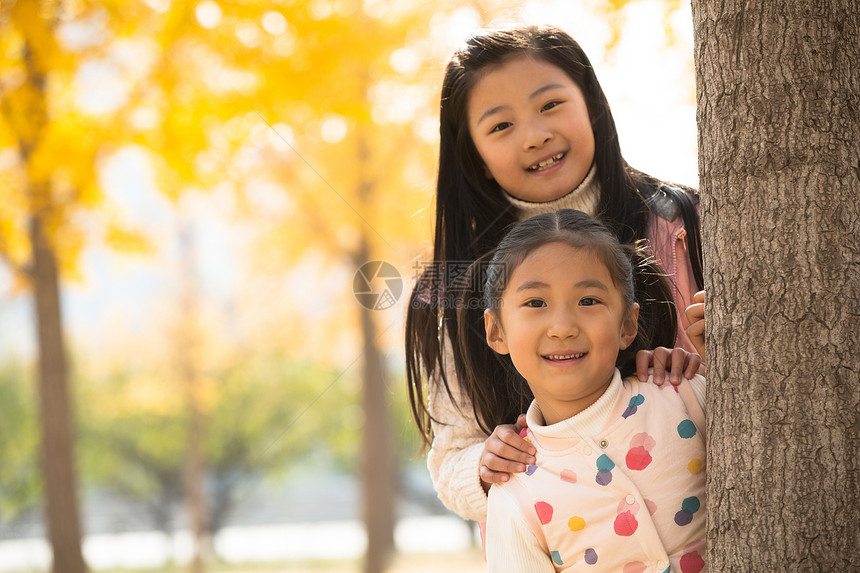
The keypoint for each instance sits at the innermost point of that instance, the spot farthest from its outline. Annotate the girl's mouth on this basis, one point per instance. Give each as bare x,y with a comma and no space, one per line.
547,163
558,357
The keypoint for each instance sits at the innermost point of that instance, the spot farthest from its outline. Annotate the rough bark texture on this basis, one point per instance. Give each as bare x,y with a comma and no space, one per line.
778,88
55,412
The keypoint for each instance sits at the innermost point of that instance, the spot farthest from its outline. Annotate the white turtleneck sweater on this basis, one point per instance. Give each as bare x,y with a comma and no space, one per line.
583,197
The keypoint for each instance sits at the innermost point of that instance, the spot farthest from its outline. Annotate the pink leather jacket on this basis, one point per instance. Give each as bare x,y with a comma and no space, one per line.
668,239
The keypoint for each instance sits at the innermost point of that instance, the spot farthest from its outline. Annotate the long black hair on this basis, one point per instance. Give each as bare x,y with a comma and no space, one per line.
472,213
497,392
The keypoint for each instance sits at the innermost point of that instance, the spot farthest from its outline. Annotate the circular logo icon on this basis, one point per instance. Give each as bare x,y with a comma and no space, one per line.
377,285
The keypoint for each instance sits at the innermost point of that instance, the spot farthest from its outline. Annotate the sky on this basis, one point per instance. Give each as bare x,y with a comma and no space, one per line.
648,81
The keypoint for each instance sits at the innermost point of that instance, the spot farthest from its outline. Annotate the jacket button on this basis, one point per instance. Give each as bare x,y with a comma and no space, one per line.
604,444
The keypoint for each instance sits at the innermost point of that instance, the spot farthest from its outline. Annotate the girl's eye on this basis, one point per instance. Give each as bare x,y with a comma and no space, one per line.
588,301
550,105
535,303
501,126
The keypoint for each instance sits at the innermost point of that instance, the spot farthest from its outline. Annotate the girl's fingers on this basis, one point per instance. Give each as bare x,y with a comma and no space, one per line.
696,332
510,437
490,477
695,312
678,365
694,361
521,423
499,450
495,464
643,361
696,329
661,356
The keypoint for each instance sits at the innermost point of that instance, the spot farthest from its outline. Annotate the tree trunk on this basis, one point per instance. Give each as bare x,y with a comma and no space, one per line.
778,88
378,459
188,348
57,428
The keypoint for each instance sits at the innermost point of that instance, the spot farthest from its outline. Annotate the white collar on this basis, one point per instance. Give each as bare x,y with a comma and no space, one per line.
587,423
583,197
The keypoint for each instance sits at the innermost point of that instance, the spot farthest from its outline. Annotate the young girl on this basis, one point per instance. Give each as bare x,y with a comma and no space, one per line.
619,476
525,128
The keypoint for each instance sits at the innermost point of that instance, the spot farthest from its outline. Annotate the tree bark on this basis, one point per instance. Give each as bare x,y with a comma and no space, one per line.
57,428
778,94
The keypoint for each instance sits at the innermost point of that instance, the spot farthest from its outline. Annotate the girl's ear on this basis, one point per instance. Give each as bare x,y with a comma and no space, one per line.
630,326
495,336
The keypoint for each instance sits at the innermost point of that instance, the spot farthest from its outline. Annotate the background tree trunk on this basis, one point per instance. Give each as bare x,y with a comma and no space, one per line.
55,415
778,88
379,491
378,460
189,371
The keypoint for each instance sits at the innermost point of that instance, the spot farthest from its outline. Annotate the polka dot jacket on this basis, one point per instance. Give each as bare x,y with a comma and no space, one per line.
630,498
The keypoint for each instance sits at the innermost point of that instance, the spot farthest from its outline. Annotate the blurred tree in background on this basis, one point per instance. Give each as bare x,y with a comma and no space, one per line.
49,177
215,95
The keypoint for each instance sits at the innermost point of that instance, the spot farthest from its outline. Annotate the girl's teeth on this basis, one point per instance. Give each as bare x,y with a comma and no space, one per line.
564,357
544,164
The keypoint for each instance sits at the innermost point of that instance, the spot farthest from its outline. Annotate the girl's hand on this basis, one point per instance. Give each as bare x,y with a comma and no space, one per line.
696,317
505,453
677,360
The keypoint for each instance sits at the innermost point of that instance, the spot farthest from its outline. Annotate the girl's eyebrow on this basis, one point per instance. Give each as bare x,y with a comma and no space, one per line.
490,112
543,89
534,94
533,284
592,283
587,283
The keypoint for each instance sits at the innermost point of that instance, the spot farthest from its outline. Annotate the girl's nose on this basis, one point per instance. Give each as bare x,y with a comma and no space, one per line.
563,326
537,135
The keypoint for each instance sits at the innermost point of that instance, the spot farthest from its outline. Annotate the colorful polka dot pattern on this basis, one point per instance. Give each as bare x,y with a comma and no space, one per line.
604,470
651,506
692,560
695,466
688,507
576,523
633,405
544,512
687,429
639,456
625,522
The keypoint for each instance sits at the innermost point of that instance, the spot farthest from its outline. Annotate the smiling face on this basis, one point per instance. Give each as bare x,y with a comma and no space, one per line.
530,125
563,321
